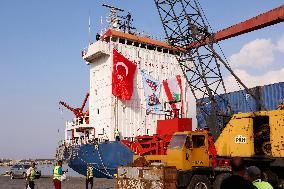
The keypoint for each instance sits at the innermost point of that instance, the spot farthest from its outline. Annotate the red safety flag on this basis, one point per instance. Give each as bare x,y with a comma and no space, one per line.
123,71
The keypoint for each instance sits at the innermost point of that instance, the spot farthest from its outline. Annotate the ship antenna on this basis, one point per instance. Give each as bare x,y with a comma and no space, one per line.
90,35
102,26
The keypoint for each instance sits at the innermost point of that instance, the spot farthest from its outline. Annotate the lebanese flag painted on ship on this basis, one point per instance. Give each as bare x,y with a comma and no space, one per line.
123,71
173,89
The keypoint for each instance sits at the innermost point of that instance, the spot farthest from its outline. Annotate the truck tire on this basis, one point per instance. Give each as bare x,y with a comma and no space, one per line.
199,182
219,179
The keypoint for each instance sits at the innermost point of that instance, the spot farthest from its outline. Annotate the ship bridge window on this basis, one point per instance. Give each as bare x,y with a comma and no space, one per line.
159,49
165,50
114,39
136,44
122,41
107,39
98,110
143,46
150,47
129,42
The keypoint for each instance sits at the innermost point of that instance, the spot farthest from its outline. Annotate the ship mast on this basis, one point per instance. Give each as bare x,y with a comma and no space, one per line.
119,23
114,21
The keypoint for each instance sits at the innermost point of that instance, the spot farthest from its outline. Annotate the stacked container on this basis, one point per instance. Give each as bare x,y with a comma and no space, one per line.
270,97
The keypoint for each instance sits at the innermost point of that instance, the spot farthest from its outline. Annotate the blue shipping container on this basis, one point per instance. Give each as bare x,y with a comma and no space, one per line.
270,95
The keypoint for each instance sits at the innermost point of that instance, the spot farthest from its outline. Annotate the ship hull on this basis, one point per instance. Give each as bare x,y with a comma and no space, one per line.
104,157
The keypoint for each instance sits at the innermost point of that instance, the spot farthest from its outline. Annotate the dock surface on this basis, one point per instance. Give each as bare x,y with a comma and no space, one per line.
46,183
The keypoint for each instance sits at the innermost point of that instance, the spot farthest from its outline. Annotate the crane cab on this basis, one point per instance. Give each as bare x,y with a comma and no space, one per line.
186,150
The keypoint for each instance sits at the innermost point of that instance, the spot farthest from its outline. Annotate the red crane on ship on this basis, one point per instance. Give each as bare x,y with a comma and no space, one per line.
79,112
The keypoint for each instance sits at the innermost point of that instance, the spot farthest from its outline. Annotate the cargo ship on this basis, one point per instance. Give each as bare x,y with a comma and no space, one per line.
135,81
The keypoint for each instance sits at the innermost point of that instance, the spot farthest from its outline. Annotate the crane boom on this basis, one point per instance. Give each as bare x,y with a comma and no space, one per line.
85,101
78,112
269,18
67,106
263,20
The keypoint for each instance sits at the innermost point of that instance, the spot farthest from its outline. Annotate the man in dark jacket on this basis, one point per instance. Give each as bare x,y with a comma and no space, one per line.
236,180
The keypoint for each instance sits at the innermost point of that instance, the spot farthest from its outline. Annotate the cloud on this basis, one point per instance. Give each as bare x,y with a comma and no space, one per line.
280,44
250,81
257,54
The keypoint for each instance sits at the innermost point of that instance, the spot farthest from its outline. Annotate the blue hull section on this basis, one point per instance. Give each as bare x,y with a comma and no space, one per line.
104,157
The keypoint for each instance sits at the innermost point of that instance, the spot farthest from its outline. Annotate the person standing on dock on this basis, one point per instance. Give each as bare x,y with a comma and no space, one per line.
31,176
89,176
57,173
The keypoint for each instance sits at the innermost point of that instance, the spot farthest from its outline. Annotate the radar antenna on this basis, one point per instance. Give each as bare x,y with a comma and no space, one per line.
126,26
123,23
114,21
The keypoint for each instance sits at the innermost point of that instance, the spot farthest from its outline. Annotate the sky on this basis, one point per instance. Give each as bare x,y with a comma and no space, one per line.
41,64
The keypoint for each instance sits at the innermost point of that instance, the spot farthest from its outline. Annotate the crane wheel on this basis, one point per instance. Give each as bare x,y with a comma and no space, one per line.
199,182
219,179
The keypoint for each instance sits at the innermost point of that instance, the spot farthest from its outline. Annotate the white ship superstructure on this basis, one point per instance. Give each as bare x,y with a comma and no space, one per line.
108,113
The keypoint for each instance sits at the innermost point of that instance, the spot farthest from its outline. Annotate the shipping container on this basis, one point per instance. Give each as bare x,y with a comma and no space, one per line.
272,95
240,101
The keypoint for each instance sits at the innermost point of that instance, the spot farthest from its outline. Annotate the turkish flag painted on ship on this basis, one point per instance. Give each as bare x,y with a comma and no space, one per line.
123,71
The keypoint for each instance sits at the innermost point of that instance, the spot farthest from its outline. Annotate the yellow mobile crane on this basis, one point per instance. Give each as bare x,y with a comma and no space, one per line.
191,151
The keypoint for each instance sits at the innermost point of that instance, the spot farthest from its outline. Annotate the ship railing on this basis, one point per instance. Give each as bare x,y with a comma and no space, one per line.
79,141
77,122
